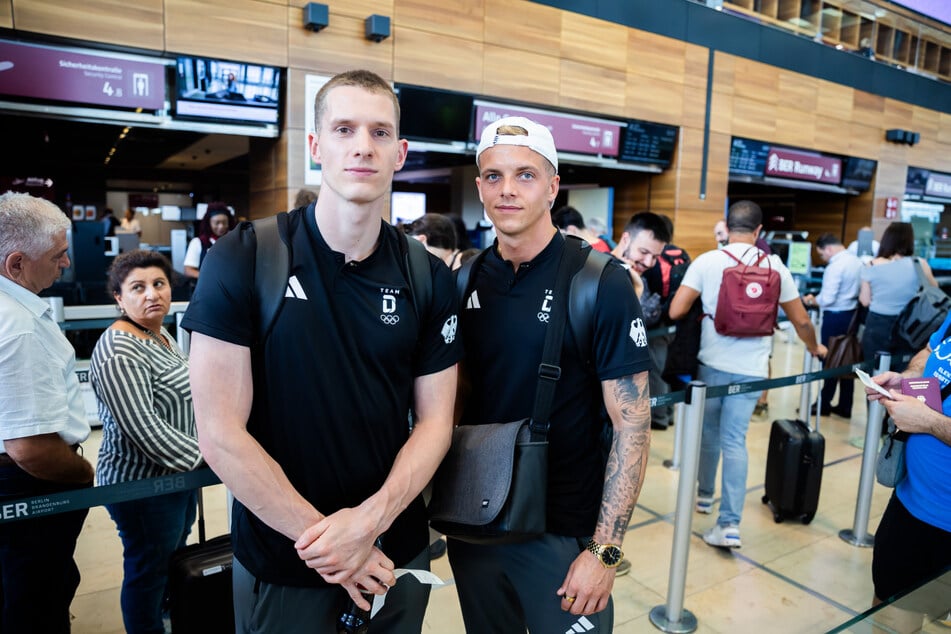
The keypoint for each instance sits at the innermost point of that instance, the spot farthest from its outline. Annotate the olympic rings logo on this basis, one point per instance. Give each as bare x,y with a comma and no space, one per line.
390,320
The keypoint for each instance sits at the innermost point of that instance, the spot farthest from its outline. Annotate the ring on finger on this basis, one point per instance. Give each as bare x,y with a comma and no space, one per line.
569,599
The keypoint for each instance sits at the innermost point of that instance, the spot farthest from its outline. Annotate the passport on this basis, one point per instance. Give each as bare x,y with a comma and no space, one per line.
926,390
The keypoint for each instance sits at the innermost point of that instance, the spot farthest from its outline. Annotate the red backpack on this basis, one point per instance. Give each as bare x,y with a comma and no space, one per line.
749,299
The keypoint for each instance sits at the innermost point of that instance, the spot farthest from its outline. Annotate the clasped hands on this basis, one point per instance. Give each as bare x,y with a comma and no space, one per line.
340,548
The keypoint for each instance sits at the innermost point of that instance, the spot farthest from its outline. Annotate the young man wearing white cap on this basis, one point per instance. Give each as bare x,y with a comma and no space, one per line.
563,579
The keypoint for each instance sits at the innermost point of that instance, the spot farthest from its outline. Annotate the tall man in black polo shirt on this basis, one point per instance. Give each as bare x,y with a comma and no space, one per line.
561,581
309,429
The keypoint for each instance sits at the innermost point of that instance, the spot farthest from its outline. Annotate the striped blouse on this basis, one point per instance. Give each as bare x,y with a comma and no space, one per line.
145,404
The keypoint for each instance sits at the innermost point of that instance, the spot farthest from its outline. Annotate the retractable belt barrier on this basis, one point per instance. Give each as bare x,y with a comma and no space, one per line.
77,499
716,391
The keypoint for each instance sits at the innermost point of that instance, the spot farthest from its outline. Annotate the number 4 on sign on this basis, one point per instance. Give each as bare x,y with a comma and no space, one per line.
107,88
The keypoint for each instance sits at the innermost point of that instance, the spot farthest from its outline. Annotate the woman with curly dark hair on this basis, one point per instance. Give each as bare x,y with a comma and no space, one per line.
140,377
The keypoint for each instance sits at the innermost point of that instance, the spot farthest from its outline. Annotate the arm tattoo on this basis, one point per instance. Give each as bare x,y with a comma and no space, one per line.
629,406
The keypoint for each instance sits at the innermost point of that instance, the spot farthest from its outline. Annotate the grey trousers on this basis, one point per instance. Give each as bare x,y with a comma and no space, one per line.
264,608
506,588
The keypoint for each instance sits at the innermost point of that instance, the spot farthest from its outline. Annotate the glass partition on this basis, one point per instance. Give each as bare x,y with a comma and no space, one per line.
924,609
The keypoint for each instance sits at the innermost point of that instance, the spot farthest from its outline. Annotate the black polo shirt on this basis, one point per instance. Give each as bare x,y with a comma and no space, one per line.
333,382
503,325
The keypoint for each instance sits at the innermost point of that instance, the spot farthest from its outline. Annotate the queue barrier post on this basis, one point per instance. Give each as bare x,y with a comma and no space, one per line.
181,335
858,535
672,617
673,463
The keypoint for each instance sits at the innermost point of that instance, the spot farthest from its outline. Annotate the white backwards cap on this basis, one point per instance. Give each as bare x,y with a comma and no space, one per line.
538,138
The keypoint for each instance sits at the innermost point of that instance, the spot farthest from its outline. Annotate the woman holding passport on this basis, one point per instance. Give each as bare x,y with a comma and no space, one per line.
913,541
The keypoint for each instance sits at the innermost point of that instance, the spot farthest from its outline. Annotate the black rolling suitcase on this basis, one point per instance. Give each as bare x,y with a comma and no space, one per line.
199,584
794,462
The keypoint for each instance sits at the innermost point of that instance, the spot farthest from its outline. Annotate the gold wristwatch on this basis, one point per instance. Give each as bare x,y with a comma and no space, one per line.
609,555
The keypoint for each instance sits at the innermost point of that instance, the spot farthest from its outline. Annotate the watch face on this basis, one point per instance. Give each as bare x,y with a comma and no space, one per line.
611,556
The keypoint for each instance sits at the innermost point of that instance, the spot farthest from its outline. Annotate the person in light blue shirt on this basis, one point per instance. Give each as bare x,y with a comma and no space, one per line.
913,541
838,300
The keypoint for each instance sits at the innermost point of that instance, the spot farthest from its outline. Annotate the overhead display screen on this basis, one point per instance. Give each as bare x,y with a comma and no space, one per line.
219,90
748,157
644,142
434,115
858,173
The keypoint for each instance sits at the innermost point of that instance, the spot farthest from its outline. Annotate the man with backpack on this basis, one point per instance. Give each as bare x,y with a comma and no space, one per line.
562,580
304,413
741,289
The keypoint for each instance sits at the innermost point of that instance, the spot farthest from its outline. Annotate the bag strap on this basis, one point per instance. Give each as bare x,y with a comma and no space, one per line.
420,276
582,299
549,371
922,281
272,263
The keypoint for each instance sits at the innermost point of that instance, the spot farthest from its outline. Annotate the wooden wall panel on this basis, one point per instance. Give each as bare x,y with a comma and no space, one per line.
695,106
653,99
359,9
294,108
138,24
797,92
463,20
858,214
339,47
865,141
867,108
6,14
724,72
897,114
721,111
537,29
268,160
593,42
693,230
697,60
592,88
441,61
630,198
753,119
819,214
244,30
833,101
521,75
798,128
944,129
655,56
755,81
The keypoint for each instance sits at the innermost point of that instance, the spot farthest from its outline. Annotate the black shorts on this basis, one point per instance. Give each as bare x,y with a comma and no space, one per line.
907,551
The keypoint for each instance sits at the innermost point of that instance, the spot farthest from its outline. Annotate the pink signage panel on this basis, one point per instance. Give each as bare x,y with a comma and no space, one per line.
787,163
572,133
43,72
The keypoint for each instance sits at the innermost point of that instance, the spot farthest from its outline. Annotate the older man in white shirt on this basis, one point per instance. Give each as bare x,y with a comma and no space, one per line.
42,421
838,300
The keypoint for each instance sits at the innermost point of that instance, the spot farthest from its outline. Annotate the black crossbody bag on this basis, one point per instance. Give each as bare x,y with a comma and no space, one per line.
492,485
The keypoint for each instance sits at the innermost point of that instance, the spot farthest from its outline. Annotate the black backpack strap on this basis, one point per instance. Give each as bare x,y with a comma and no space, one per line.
466,276
549,370
272,266
582,299
416,260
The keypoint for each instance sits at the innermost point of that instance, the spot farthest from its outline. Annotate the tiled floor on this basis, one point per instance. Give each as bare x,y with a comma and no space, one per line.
786,578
